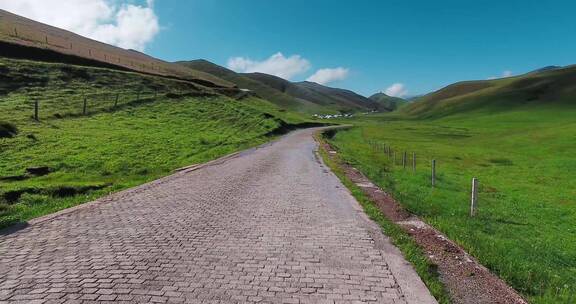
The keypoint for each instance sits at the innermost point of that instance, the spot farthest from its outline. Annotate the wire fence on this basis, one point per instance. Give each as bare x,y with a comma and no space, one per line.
22,31
409,161
40,105
243,124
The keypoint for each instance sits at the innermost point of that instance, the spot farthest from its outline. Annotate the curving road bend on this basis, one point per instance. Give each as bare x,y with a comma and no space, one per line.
270,225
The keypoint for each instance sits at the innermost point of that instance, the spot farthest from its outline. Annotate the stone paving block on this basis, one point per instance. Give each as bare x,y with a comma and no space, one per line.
271,226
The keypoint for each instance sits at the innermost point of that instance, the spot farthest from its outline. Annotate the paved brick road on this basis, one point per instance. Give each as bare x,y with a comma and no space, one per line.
271,225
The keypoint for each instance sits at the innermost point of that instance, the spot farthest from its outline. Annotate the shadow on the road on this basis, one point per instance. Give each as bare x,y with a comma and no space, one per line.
13,228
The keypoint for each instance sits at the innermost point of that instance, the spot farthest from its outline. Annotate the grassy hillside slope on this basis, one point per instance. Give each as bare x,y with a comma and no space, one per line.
156,126
489,96
523,158
389,102
17,30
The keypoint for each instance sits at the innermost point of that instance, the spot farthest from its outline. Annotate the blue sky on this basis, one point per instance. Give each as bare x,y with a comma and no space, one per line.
422,45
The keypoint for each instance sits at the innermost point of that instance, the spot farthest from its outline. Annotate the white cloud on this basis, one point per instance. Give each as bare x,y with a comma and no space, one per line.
504,75
277,64
118,22
396,90
325,76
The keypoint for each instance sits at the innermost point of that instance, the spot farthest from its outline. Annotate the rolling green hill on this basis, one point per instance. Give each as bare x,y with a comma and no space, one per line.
101,130
389,102
305,97
546,86
516,135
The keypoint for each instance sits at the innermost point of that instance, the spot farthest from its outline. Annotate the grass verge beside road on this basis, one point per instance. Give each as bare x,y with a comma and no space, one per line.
401,239
524,230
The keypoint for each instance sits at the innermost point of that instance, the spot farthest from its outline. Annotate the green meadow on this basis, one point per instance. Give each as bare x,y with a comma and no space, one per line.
525,228
156,126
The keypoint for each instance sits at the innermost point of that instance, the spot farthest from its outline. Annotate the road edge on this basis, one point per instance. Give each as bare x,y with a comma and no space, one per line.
175,174
413,287
113,196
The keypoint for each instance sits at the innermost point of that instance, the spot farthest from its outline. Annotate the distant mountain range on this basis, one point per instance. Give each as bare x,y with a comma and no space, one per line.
308,97
547,68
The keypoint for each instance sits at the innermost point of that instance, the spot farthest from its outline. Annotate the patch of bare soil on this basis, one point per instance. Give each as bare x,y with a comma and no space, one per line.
466,279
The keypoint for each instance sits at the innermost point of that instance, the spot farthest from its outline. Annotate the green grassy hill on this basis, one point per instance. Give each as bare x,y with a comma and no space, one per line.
305,97
517,136
136,128
547,86
389,102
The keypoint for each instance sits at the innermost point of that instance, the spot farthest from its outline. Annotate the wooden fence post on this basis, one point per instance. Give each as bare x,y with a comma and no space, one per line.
85,107
404,159
414,161
36,106
474,200
433,173
116,100
15,32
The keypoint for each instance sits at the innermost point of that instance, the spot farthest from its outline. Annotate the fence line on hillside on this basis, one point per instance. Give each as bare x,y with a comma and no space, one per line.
85,104
46,106
49,41
26,34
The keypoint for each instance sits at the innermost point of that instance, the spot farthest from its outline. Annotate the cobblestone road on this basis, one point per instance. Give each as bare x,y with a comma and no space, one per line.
270,225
